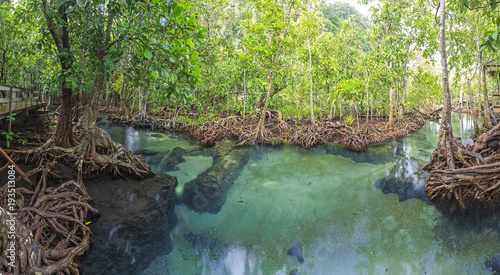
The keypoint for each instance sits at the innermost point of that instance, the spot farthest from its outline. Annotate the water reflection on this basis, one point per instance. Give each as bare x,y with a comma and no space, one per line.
132,139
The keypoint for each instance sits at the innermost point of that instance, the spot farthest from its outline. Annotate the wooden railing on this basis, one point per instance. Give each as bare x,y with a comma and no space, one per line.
16,100
495,102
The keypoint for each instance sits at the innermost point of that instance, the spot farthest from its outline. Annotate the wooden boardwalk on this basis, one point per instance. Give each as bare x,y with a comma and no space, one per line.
18,100
495,103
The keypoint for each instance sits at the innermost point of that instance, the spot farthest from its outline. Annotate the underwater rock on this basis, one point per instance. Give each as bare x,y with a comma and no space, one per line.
493,265
296,251
294,272
135,224
208,192
170,161
145,152
156,158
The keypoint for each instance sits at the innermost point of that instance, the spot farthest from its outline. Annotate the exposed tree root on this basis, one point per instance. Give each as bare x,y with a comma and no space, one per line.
275,129
211,131
260,133
97,153
312,135
474,186
146,122
50,227
57,216
411,121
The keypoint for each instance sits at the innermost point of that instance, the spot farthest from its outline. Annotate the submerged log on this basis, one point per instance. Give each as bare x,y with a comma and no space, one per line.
208,192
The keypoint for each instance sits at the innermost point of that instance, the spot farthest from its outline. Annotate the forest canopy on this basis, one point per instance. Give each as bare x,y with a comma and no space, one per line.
204,60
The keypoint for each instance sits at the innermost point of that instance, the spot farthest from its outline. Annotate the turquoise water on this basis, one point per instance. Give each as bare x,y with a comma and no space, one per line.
354,213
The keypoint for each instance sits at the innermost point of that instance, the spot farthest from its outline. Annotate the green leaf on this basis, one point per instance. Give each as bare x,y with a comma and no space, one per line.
194,56
176,12
148,54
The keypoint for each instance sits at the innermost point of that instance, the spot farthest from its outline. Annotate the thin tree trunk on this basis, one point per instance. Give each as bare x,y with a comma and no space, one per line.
311,81
391,101
403,99
367,103
461,98
473,113
330,105
260,125
445,131
244,94
123,97
64,130
479,83
486,110
94,137
391,108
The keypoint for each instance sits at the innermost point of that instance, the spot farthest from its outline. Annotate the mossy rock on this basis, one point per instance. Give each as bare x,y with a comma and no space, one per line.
134,212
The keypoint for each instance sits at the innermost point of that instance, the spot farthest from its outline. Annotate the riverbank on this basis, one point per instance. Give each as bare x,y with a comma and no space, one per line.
357,135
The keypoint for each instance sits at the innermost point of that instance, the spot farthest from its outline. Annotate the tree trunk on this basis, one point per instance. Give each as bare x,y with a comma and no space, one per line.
473,113
330,105
64,130
403,99
447,145
367,104
479,84
244,94
461,98
123,98
445,131
260,125
63,136
391,101
391,108
311,81
88,121
486,110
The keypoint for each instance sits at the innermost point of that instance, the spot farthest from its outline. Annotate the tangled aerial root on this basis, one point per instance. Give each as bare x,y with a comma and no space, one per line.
275,129
313,135
411,121
51,221
50,227
211,131
472,188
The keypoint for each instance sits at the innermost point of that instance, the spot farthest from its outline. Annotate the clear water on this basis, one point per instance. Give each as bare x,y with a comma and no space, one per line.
330,202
